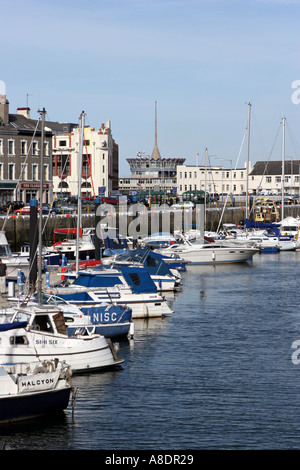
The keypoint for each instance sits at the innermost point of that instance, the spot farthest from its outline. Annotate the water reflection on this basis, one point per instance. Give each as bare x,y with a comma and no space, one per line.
51,431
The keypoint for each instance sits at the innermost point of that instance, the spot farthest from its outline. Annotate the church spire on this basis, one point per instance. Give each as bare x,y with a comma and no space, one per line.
155,154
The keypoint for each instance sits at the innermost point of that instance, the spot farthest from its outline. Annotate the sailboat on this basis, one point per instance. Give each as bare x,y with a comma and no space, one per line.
39,331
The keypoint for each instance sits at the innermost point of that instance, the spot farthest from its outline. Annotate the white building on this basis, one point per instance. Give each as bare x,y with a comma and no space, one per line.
213,179
99,162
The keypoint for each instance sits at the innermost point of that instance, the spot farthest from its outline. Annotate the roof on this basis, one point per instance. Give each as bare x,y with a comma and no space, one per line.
20,124
275,167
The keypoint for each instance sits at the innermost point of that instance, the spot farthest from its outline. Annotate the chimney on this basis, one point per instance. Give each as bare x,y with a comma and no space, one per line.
24,112
4,110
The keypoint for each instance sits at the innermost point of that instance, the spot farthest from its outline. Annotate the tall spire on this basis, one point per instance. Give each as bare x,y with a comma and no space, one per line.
155,154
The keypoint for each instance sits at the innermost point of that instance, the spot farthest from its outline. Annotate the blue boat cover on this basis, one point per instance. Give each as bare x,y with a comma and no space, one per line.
154,264
250,224
137,278
13,325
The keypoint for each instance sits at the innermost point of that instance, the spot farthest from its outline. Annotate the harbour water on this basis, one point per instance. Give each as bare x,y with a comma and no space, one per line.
217,374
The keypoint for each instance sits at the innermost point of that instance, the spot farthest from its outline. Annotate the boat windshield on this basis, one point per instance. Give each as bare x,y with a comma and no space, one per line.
21,316
50,299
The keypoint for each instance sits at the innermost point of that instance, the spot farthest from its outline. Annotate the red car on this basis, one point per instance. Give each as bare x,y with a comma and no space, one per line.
114,200
24,210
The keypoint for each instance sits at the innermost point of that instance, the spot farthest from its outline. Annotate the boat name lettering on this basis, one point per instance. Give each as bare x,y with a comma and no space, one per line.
106,317
34,383
45,341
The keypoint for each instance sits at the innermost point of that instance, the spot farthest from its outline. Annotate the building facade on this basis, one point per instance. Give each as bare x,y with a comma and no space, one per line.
263,178
213,179
20,157
20,153
100,162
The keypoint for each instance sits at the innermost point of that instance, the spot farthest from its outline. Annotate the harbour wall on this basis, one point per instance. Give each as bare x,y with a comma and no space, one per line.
143,223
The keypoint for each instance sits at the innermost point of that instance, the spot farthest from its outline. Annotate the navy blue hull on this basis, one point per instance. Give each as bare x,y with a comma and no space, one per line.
17,408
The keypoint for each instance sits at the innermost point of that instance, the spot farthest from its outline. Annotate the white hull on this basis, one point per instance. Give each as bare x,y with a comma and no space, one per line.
206,254
94,354
44,339
142,305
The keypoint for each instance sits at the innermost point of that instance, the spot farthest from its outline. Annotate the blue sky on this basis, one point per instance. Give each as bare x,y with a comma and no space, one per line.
203,61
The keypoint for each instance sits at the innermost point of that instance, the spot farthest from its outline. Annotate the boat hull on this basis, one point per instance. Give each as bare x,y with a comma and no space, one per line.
216,256
83,353
142,305
33,405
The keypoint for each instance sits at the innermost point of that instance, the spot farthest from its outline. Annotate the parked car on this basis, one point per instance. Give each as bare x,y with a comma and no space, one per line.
46,208
184,205
113,200
23,210
14,205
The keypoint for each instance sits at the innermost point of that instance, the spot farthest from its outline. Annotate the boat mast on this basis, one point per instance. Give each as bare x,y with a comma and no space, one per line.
205,187
247,165
42,113
81,138
282,168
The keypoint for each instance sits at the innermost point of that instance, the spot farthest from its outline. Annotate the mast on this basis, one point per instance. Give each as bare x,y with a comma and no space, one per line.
247,165
81,138
282,168
42,113
205,185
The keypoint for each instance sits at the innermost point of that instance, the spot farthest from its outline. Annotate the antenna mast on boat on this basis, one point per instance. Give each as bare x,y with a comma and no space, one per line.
42,113
282,168
81,138
247,164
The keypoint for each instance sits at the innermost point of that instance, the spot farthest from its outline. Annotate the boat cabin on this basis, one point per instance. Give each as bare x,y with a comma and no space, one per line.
47,321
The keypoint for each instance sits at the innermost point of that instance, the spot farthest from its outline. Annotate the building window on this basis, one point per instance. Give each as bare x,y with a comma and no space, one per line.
46,173
35,170
35,149
268,179
23,175
1,171
46,149
1,146
278,179
23,147
11,147
11,171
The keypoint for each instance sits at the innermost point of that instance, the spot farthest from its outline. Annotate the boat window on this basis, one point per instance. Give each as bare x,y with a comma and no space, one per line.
42,323
69,319
14,340
21,316
135,278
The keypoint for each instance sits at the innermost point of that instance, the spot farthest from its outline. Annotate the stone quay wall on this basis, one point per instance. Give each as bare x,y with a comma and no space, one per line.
146,222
